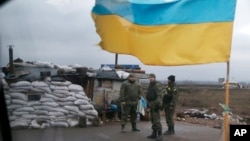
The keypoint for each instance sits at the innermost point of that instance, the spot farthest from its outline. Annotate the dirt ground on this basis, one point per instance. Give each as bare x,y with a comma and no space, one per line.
209,98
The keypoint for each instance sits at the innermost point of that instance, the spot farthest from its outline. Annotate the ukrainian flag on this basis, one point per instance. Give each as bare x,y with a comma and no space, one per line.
167,32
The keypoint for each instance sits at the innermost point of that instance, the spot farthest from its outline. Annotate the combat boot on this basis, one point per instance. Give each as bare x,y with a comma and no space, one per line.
159,136
134,127
123,129
170,131
153,135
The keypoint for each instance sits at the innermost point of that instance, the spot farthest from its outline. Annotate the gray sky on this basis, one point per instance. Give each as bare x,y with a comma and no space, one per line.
62,32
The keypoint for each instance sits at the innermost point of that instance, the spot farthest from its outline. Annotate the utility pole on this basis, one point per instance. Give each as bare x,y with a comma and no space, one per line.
11,63
116,60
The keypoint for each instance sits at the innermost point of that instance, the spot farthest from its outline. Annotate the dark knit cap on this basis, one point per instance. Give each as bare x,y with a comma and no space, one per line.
152,75
171,78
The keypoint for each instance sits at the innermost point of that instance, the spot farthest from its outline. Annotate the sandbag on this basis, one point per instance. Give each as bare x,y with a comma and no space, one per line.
66,83
19,124
51,104
72,108
75,88
81,102
19,101
46,99
72,122
33,103
13,107
86,107
59,124
20,84
18,96
39,84
34,124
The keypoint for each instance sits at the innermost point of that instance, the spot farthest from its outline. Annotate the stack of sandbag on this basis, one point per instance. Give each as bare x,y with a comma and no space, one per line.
61,104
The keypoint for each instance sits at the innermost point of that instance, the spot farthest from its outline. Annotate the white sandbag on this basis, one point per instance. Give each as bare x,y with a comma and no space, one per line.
51,96
18,96
34,124
33,103
12,118
46,117
44,89
74,113
19,124
69,98
71,116
13,107
20,84
4,83
86,107
75,88
81,102
73,122
51,104
45,99
59,109
45,125
54,87
39,84
81,93
18,101
16,113
43,107
29,116
79,96
59,95
66,83
35,90
20,90
8,101
41,112
91,112
70,94
7,96
72,108
81,114
70,103
59,124
64,92
25,109
56,114
61,118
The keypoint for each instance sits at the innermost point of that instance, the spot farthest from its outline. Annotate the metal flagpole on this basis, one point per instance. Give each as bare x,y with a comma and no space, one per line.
226,116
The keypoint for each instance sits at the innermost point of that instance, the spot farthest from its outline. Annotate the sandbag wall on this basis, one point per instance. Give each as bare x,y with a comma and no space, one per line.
41,104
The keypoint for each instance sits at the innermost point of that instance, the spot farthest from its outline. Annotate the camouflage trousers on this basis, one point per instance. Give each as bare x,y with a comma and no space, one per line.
129,109
169,114
155,119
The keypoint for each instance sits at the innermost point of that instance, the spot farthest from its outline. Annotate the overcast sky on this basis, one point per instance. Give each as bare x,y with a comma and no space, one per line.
62,32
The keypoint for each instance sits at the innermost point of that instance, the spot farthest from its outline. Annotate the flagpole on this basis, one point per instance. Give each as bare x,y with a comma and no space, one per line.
226,116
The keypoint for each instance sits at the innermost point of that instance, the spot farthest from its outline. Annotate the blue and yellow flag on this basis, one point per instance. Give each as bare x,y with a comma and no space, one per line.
167,32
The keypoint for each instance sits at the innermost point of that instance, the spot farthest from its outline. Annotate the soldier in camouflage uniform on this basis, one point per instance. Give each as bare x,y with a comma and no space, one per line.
154,98
130,93
169,102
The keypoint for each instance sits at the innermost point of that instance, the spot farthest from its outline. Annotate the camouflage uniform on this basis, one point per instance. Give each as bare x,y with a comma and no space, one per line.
155,105
169,104
130,93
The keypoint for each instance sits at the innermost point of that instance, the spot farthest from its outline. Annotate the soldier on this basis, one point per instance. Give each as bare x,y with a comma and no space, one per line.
169,103
130,93
154,98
